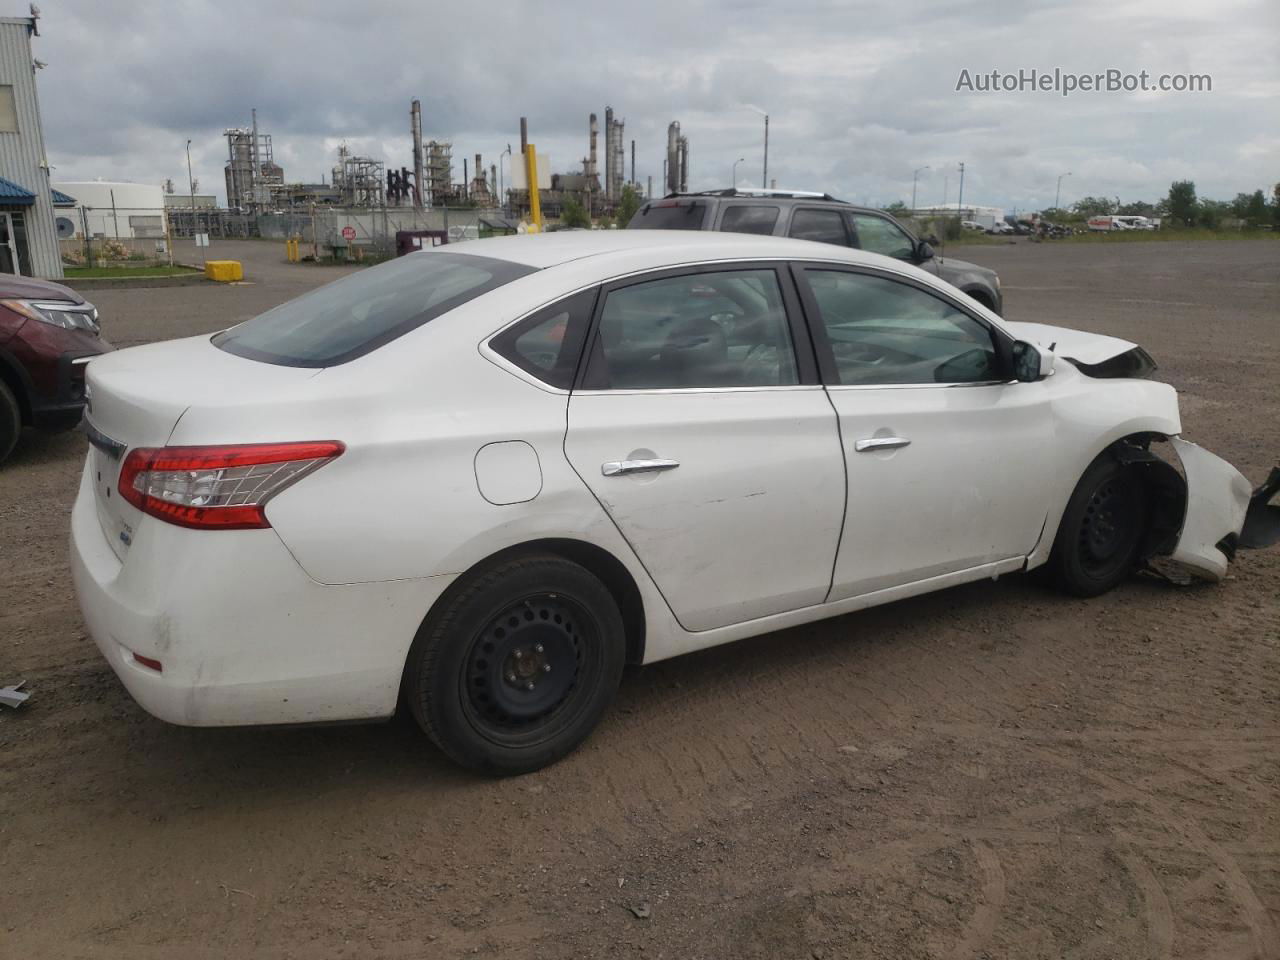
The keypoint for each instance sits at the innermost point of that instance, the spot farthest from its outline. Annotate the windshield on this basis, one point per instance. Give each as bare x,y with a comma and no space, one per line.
669,215
359,313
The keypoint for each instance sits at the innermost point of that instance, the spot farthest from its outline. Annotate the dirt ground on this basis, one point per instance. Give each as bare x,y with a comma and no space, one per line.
994,771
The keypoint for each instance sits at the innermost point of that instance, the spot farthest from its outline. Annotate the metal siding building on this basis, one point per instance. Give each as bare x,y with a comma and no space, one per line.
22,158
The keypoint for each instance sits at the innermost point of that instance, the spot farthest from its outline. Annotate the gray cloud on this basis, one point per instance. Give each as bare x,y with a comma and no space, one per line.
859,93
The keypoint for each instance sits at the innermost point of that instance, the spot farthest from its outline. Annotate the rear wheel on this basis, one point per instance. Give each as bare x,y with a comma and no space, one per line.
1102,529
518,666
10,421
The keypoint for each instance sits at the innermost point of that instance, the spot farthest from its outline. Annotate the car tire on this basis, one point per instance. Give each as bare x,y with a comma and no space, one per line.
10,421
1100,538
517,665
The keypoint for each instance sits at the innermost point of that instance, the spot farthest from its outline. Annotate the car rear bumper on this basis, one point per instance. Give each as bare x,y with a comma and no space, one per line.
242,634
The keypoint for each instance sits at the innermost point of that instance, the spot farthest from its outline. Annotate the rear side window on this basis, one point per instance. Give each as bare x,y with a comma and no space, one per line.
824,226
547,344
359,313
670,215
749,218
699,331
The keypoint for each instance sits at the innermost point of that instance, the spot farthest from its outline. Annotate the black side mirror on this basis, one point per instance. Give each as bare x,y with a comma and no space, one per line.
1029,364
923,251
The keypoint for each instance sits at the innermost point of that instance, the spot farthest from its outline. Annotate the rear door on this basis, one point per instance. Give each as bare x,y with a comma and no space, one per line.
701,427
947,461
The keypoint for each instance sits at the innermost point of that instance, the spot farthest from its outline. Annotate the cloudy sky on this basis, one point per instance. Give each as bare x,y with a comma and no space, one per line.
859,93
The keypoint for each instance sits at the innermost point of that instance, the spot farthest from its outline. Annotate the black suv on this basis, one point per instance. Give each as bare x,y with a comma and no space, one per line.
814,216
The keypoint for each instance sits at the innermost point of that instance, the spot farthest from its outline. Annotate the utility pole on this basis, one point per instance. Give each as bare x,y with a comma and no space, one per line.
764,180
1057,197
914,177
960,202
191,182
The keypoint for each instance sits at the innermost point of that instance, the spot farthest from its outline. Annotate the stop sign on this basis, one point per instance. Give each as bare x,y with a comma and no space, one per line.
348,233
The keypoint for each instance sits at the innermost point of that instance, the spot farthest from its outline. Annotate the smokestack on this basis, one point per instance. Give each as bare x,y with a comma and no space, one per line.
415,128
673,157
684,164
608,152
592,169
466,181
524,136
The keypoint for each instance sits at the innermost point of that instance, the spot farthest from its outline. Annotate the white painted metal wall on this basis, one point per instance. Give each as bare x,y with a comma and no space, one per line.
22,156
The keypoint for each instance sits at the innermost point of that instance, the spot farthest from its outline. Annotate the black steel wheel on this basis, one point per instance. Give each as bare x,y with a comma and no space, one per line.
1100,538
517,664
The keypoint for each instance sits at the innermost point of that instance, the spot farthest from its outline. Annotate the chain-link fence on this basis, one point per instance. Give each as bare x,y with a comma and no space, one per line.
124,236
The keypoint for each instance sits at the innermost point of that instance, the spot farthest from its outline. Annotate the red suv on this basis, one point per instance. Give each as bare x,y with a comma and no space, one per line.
47,334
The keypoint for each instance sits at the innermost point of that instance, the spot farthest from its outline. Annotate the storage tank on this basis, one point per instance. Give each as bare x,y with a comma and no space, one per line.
115,208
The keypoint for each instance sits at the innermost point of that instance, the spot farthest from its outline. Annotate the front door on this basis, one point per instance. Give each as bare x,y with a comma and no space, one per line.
702,429
947,462
10,262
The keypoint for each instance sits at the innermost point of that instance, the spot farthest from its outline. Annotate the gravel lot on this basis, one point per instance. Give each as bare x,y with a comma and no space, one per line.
993,771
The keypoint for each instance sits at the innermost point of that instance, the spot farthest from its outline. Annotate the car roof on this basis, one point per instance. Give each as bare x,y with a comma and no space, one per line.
672,246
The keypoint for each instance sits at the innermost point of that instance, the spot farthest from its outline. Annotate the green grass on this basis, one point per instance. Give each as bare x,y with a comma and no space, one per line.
74,273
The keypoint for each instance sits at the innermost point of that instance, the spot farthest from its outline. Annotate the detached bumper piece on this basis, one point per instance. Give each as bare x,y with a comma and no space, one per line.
1262,519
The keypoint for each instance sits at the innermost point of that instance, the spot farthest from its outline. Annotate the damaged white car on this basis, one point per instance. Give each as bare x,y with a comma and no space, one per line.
477,481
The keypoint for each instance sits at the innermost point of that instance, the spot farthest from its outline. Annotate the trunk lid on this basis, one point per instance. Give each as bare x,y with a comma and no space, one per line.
136,397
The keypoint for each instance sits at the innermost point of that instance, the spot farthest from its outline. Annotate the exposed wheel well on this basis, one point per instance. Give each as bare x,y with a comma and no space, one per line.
1165,486
616,578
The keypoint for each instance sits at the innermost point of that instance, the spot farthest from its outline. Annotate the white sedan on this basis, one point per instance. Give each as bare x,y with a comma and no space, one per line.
478,480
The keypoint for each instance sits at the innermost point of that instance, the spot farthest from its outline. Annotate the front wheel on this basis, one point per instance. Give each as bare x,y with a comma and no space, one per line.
1102,529
518,665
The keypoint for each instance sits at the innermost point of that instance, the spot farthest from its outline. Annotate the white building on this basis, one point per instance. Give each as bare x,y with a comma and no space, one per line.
28,240
115,208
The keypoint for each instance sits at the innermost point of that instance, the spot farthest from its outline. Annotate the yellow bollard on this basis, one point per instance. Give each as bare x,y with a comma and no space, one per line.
531,180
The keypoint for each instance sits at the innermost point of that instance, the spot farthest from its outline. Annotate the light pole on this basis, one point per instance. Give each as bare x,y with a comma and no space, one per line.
915,174
1057,196
765,179
960,202
501,192
191,182
733,178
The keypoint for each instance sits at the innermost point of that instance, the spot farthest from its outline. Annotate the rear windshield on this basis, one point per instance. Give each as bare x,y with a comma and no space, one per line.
669,215
359,313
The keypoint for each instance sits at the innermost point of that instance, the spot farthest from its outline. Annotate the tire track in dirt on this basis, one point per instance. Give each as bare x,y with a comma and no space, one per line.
981,927
1157,915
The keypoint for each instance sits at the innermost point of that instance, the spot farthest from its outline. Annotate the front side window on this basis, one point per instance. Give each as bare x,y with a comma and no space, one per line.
548,344
883,331
702,330
359,313
878,235
824,226
749,218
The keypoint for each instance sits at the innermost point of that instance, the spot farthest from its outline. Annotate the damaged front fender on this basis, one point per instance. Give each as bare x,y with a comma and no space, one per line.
1217,500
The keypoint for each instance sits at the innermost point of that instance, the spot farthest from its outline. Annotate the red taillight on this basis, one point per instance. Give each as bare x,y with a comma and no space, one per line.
217,487
149,662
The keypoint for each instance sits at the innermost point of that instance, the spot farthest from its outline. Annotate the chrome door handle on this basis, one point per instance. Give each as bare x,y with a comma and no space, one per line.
880,443
616,468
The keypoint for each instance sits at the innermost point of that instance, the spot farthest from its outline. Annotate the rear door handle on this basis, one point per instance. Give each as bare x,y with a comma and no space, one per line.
880,443
616,468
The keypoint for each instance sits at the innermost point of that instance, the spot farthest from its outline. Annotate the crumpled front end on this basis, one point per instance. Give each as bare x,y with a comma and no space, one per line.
1217,499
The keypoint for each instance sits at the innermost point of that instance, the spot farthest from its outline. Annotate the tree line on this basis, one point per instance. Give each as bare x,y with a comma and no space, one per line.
1183,208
